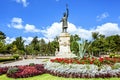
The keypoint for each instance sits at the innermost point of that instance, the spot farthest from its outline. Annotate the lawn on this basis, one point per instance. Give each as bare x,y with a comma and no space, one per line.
50,77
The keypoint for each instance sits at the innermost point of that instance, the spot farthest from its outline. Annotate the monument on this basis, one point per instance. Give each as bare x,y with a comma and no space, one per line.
64,38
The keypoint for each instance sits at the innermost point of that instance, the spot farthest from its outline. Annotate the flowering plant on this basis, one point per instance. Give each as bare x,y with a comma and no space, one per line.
86,60
81,70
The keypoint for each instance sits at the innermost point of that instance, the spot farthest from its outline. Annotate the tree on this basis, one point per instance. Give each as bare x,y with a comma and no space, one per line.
19,43
36,44
54,45
2,36
95,35
113,43
29,49
73,43
98,43
42,46
2,47
2,42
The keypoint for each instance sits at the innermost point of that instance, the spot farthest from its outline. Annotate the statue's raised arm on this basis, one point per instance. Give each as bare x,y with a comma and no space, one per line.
67,11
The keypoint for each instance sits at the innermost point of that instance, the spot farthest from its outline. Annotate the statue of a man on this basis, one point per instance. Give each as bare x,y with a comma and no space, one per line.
64,20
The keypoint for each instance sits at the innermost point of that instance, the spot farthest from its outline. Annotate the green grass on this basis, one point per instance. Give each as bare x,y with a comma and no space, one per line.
50,77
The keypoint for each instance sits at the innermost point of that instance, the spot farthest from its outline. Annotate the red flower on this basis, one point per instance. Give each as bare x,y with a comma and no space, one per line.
83,63
100,59
91,62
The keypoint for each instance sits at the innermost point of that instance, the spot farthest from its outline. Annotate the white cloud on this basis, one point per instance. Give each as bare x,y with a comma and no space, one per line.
55,29
31,28
17,20
108,29
52,30
9,40
24,2
16,23
27,40
102,16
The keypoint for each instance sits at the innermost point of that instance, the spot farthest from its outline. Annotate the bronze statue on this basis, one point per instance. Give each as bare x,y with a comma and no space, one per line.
64,20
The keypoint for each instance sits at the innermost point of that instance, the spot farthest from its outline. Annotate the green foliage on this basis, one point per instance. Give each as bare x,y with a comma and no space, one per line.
31,64
12,70
116,66
73,44
74,47
117,56
16,56
112,55
19,42
6,59
95,35
35,43
82,48
2,36
105,44
2,47
100,44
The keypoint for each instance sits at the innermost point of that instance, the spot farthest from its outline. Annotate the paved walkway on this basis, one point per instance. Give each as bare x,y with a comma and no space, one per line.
25,62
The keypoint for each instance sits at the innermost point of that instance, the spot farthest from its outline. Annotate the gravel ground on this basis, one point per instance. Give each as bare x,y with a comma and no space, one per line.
25,62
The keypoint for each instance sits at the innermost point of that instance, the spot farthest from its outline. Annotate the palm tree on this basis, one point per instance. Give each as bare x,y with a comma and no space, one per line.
95,35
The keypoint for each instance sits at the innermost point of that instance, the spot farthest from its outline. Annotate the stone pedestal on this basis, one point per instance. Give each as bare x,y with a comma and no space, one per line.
64,46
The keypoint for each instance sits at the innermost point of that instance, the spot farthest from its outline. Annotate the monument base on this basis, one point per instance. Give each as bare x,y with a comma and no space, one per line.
65,55
64,46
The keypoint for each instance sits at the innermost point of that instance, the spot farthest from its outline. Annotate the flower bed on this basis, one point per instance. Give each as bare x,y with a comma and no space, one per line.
81,70
68,67
25,71
3,70
97,61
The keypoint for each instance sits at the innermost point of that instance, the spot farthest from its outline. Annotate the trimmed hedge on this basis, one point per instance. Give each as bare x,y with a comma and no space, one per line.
6,59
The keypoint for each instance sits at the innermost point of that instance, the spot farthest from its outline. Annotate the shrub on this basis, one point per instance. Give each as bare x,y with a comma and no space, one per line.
116,66
111,55
16,56
117,56
12,70
31,64
6,59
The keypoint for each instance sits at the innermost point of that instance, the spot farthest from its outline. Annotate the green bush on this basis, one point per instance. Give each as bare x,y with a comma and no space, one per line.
12,70
31,64
116,66
112,55
6,59
16,56
117,56
97,62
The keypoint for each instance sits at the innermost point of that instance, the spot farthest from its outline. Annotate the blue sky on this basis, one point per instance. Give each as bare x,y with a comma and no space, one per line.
29,18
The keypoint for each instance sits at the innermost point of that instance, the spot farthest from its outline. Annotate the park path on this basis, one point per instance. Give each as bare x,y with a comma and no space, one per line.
24,62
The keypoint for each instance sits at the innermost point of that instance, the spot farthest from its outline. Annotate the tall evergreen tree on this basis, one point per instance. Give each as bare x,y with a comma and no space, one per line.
19,42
